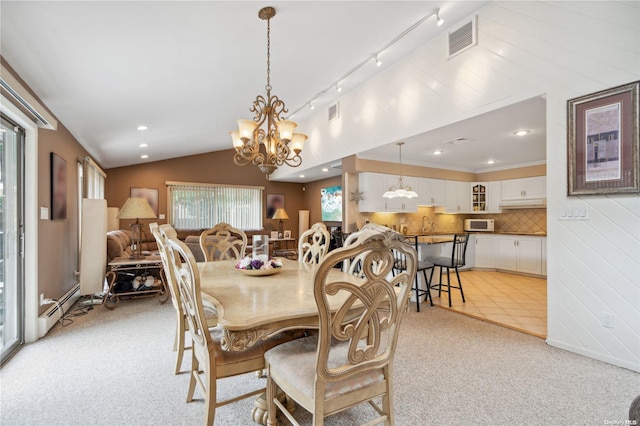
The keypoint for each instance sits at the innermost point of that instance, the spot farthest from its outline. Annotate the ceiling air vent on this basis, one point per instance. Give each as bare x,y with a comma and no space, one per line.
463,38
334,111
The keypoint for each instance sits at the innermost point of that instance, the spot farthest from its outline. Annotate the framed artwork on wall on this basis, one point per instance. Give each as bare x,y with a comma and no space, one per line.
604,143
58,187
149,194
274,202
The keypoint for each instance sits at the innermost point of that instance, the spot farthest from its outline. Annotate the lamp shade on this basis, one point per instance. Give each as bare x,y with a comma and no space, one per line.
280,214
136,208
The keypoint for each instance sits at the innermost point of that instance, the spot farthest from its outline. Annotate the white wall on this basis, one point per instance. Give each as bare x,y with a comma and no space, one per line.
558,49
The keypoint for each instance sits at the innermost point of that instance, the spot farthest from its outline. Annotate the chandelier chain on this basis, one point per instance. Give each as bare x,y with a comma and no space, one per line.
268,86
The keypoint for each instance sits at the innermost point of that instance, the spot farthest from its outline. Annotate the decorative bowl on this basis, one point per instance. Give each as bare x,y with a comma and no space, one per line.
260,272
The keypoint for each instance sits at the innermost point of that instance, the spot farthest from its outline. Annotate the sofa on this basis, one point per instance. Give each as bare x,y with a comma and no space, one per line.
119,242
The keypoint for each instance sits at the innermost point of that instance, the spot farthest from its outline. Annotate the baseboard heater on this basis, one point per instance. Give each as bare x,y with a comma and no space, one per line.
49,317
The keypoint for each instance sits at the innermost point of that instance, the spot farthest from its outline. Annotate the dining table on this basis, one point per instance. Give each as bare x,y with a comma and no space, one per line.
251,308
254,307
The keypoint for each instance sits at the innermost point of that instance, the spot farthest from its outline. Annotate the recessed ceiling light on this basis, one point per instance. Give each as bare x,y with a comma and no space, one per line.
490,162
301,176
142,127
521,132
144,145
438,152
325,169
143,156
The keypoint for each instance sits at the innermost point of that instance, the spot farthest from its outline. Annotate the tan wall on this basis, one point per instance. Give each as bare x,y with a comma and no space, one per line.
363,165
520,172
312,198
57,239
214,167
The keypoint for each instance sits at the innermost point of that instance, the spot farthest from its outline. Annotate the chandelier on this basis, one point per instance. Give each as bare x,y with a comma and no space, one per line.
281,144
400,190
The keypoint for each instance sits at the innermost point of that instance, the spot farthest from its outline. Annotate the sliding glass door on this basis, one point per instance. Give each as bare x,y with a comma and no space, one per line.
11,237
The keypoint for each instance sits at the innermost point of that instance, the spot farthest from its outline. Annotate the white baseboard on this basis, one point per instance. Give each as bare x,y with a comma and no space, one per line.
57,310
595,355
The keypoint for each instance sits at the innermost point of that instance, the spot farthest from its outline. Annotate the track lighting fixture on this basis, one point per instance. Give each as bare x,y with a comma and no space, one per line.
439,20
434,12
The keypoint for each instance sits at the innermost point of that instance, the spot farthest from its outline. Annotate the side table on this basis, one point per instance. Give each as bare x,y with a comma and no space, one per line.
124,269
284,250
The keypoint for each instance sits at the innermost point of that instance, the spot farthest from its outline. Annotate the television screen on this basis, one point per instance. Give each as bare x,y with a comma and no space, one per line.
331,203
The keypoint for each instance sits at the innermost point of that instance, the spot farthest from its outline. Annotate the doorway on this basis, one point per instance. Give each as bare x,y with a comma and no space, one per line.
11,237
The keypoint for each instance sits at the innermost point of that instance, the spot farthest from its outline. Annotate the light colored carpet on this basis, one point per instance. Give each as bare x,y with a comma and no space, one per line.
115,368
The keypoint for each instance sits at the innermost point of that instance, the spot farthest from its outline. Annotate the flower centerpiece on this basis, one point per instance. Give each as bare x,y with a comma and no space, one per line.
258,266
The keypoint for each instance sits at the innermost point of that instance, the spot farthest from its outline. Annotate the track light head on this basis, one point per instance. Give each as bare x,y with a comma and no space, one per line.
439,20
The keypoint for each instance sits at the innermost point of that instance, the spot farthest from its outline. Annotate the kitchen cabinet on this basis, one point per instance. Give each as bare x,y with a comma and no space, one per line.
479,199
373,185
485,251
519,253
494,196
401,204
524,189
431,192
457,198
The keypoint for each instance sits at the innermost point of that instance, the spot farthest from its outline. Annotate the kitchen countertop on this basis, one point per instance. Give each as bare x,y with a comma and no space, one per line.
438,238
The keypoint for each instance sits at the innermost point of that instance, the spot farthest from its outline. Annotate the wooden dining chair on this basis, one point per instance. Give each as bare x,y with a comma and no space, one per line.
161,234
223,242
455,261
353,265
350,360
313,244
207,356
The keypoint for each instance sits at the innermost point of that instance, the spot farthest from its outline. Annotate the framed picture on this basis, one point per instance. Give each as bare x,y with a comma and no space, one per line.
274,202
287,233
331,203
274,235
149,194
604,143
58,187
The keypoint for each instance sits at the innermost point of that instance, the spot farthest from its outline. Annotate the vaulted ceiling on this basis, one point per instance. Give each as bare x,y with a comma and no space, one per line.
188,69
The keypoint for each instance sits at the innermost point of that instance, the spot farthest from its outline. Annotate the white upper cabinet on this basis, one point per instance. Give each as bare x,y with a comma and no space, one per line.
431,192
457,198
373,185
524,189
479,197
494,190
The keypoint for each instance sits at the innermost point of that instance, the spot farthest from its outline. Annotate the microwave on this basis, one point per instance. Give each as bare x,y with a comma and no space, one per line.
478,225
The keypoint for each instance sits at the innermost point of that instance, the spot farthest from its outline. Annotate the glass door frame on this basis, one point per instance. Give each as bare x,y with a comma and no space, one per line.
13,292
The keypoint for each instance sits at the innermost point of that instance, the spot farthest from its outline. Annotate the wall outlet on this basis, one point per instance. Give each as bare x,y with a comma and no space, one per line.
606,319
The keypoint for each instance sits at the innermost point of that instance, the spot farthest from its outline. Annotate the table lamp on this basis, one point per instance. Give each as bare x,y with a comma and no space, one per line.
136,208
280,214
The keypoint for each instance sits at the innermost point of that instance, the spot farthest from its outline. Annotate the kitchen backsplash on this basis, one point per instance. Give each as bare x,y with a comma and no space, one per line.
520,221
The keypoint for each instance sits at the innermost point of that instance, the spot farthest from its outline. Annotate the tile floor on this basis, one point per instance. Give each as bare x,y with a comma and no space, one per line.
514,301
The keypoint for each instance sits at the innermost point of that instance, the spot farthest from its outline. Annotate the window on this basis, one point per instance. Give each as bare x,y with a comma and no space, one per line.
200,206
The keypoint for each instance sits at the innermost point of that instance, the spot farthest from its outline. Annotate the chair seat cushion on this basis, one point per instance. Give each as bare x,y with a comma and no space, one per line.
296,360
445,262
424,264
